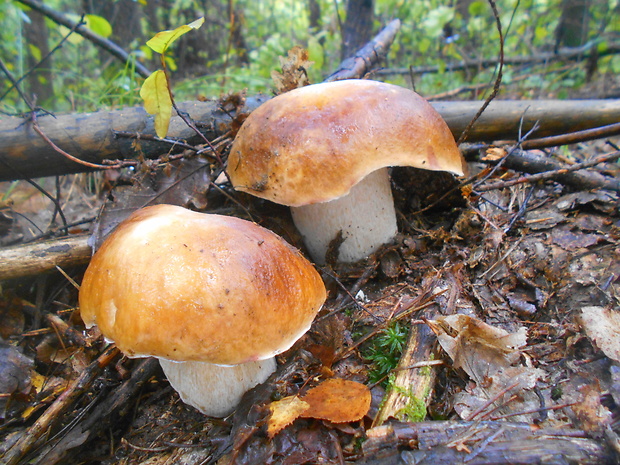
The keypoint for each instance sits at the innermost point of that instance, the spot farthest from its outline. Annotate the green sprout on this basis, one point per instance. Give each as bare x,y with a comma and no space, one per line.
385,350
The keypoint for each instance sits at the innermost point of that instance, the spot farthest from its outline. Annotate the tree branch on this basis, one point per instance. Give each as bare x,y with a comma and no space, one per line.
570,54
96,39
367,56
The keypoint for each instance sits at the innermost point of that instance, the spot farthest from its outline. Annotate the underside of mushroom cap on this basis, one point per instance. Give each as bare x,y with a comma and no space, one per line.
314,143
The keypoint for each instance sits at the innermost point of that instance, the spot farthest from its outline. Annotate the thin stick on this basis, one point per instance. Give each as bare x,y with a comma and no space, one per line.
53,413
96,39
547,175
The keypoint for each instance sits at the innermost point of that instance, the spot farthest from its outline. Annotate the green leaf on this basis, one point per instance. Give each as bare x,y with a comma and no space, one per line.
477,8
157,101
35,52
99,25
315,51
435,20
162,40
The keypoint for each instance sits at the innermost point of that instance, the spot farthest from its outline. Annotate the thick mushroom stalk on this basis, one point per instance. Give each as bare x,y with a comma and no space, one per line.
366,217
215,390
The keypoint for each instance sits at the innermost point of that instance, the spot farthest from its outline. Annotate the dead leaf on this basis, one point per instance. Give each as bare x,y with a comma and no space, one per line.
284,412
185,185
570,240
293,73
510,389
480,349
494,154
337,400
591,415
602,325
11,315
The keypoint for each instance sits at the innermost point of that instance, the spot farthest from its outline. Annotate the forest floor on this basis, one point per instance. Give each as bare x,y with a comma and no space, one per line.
513,293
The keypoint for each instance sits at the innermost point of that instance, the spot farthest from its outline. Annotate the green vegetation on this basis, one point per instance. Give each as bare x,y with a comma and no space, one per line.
415,410
385,350
240,42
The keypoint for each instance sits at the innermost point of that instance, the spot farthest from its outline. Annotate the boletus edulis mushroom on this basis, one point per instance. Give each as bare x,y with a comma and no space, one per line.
215,298
324,150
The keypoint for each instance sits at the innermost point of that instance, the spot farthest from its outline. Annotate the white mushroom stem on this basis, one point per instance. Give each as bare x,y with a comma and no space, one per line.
215,390
366,217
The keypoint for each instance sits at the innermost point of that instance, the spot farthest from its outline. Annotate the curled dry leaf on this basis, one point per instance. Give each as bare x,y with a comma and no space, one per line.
338,400
602,326
284,412
480,349
293,73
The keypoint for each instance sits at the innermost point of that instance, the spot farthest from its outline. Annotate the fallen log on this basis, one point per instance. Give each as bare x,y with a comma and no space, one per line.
39,257
485,442
91,136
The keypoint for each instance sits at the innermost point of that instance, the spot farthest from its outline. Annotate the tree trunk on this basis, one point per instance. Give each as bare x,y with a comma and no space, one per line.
40,81
572,30
357,27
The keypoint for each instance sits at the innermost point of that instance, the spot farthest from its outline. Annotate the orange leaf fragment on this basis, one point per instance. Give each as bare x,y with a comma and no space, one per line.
337,400
284,412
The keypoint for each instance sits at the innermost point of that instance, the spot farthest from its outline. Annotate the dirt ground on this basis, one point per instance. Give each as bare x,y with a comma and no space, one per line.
511,296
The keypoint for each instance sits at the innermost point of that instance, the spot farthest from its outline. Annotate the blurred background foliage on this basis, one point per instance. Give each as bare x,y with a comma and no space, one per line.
239,45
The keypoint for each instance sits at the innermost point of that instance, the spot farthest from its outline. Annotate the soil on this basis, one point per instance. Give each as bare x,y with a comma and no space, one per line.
532,269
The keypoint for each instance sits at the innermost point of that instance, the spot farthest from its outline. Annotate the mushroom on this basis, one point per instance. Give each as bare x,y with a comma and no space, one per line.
215,298
324,150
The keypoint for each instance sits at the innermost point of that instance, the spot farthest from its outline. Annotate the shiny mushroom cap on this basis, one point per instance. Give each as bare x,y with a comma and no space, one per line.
313,144
181,285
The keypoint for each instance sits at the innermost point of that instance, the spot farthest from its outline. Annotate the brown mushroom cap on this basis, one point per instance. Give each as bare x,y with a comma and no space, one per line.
314,143
181,285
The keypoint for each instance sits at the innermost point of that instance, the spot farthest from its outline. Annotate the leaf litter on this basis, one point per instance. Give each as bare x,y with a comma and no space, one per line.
524,307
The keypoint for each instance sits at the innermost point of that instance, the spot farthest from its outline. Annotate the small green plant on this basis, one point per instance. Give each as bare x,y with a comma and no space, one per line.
155,90
385,351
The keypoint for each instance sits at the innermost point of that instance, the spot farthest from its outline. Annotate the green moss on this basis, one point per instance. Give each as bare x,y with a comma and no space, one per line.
414,411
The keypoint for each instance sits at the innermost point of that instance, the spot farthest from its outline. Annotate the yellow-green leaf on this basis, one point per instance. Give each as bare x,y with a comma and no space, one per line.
35,52
157,101
162,40
99,25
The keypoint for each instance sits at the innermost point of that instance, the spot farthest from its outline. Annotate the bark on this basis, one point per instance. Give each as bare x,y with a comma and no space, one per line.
123,15
40,257
90,136
413,386
477,443
572,30
40,80
357,27
365,59
573,54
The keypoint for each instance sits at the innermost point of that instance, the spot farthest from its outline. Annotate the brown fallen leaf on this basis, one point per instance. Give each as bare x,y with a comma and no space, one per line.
337,400
293,73
284,412
480,349
590,414
602,325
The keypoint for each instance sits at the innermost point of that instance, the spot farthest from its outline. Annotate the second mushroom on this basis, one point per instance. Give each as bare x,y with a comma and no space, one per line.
324,150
